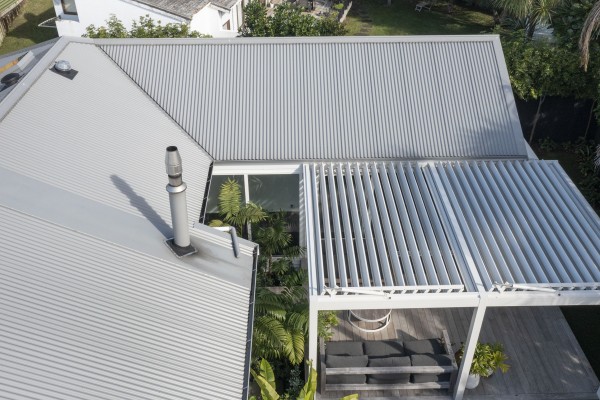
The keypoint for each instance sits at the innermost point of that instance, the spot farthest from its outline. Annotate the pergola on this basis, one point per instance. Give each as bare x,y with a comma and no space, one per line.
479,234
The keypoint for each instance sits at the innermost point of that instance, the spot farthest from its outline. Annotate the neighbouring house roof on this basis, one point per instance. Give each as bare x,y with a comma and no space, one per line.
425,97
182,8
94,303
507,226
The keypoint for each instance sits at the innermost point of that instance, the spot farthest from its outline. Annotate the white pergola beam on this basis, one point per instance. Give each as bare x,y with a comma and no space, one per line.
469,351
400,301
313,339
533,299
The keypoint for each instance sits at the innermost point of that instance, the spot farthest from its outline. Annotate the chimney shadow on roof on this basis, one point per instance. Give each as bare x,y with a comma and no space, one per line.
142,205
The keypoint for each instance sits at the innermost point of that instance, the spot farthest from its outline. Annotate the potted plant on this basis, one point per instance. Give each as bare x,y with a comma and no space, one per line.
488,358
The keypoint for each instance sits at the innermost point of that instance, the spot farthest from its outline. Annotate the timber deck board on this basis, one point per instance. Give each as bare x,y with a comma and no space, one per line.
546,361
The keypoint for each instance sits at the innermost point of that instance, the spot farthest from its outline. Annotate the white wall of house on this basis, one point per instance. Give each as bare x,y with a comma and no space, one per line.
96,12
218,22
210,20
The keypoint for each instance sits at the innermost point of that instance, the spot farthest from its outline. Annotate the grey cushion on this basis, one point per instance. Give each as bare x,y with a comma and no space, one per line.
344,348
430,360
426,346
384,348
332,361
389,362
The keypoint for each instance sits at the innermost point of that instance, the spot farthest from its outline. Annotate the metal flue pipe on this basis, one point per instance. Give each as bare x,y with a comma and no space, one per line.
176,189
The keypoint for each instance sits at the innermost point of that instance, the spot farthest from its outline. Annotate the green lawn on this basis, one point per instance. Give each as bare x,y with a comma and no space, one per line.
24,31
374,17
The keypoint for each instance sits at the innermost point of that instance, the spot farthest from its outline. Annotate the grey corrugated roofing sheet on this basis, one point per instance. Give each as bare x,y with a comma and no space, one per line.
332,98
93,303
181,8
100,136
409,227
86,318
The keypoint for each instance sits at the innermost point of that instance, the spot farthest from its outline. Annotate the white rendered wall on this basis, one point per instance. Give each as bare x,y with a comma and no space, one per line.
96,12
210,22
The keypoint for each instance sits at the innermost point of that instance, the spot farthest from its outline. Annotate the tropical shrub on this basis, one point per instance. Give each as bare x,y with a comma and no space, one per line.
287,20
233,211
265,378
145,27
488,358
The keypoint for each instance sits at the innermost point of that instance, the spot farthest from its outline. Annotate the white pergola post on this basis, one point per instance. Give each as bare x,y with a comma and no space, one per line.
469,351
313,340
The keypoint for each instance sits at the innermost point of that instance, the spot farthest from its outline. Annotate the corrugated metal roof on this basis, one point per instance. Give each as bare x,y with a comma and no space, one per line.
84,318
416,227
93,304
181,8
101,137
332,98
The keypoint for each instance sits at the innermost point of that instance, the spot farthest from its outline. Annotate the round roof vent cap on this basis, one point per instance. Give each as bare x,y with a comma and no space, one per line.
62,66
10,79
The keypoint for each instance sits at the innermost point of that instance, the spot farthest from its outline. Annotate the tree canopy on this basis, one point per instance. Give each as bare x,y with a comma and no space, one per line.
145,27
287,20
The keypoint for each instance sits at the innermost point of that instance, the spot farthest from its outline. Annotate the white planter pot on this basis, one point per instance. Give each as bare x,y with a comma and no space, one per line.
472,381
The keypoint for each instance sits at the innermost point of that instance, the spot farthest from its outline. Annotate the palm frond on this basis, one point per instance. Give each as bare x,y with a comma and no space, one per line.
230,199
217,223
248,213
590,25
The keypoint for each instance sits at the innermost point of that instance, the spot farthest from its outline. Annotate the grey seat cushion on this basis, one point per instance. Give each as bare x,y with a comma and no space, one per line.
344,348
384,348
425,346
389,362
431,360
333,361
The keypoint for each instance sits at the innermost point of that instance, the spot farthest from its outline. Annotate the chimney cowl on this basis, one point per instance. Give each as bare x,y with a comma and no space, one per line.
173,166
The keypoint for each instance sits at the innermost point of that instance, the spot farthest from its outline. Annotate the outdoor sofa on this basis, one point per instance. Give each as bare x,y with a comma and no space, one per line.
387,364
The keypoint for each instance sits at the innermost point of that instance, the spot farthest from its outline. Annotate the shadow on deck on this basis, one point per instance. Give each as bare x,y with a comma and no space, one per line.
546,360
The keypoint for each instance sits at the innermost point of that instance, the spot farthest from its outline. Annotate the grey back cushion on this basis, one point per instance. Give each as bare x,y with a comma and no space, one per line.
344,348
384,348
431,360
332,361
389,362
425,346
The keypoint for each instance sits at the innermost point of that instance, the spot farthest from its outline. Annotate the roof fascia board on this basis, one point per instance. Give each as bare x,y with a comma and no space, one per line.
508,92
30,78
291,40
238,168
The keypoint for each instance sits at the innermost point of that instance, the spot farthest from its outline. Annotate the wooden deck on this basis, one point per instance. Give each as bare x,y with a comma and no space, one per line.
546,360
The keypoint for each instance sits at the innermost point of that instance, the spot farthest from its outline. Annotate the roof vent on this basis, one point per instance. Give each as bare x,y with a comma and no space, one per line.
180,243
10,79
63,68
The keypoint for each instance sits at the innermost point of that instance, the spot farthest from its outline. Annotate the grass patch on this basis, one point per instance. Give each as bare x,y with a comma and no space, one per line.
374,17
24,31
